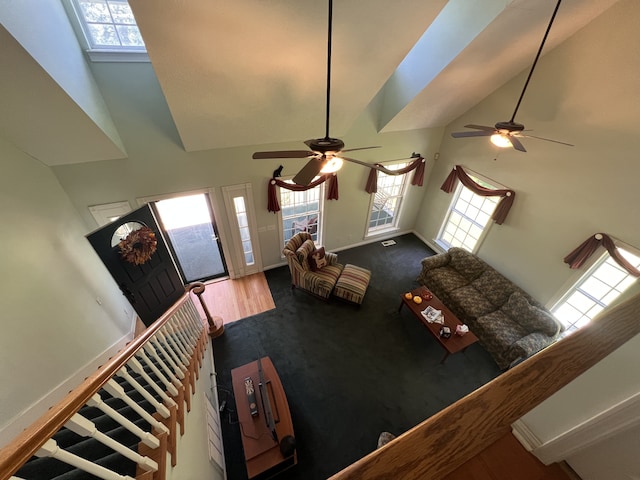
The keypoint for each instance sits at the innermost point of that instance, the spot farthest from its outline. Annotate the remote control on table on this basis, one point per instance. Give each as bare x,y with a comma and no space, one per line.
251,396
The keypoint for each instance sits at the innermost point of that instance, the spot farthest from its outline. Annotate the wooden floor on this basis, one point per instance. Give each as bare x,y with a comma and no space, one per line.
507,459
236,299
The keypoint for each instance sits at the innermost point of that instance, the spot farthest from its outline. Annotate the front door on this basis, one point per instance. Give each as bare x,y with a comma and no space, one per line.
153,284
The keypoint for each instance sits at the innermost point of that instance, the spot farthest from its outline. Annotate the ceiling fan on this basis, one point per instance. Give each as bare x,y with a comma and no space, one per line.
507,134
325,154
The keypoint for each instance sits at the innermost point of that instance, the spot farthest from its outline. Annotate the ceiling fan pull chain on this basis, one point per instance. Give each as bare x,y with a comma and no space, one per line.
544,39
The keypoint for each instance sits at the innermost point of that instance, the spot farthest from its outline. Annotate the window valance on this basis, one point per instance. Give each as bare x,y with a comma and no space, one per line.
273,205
507,196
580,254
418,176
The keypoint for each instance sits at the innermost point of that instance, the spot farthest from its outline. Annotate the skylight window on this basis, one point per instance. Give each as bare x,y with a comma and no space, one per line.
108,26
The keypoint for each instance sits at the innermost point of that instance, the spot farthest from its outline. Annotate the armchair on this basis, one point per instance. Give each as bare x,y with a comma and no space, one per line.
319,283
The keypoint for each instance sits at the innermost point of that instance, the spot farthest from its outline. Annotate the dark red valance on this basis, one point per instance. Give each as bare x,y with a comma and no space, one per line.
507,196
418,176
273,205
580,255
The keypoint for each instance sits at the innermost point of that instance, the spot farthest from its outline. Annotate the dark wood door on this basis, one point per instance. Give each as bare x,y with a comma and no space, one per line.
151,287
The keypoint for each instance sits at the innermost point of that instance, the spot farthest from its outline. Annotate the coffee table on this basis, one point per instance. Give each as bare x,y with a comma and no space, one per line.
453,344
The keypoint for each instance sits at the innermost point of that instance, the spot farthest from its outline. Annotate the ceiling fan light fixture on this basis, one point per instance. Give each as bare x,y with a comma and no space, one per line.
333,165
501,140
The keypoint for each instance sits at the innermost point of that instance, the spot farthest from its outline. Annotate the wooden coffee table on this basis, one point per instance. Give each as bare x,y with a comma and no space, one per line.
453,344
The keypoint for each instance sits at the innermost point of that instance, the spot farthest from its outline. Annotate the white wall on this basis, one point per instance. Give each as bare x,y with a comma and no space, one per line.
52,325
583,92
157,163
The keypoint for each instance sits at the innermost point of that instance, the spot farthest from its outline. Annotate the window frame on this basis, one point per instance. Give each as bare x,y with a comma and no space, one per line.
98,53
281,218
456,196
399,208
574,285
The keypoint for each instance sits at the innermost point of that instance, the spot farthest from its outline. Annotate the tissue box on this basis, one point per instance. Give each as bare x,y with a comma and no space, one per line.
461,330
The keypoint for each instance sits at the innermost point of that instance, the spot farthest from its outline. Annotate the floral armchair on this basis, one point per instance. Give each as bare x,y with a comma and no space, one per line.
320,282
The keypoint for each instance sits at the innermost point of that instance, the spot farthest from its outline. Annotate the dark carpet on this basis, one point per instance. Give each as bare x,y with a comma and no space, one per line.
349,373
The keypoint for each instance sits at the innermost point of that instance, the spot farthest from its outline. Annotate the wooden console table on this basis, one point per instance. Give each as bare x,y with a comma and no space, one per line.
261,450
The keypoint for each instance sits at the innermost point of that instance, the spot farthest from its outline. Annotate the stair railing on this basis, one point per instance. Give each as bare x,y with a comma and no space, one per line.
172,348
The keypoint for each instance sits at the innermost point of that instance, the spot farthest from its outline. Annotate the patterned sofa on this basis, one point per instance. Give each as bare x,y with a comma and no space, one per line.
320,282
510,324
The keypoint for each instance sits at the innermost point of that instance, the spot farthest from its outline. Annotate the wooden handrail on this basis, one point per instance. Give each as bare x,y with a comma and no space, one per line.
446,440
14,455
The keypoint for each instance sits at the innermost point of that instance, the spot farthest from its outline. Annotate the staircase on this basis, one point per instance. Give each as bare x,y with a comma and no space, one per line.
123,422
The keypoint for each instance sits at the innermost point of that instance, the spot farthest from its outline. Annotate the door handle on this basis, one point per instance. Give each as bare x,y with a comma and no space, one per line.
127,293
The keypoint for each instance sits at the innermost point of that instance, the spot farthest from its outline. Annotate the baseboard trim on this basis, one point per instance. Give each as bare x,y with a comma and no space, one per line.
367,241
25,418
429,243
613,420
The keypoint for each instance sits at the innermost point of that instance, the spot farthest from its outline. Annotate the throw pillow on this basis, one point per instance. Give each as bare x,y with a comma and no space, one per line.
317,259
530,317
304,251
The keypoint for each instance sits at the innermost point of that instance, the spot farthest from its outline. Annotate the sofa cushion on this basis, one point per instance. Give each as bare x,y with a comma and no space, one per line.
303,253
530,317
472,301
499,331
446,278
467,264
494,287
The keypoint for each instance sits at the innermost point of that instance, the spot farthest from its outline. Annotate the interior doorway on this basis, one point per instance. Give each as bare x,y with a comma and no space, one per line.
192,235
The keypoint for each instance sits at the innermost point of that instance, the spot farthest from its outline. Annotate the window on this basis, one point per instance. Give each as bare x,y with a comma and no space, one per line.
597,288
243,227
385,203
301,211
468,218
108,29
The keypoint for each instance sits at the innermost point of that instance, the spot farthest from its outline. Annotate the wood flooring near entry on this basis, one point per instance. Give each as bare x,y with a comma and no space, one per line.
507,459
236,299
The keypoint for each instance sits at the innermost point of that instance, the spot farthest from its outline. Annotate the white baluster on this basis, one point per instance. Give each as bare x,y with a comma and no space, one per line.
170,357
167,336
147,438
51,449
170,387
188,324
115,390
86,428
137,367
185,347
165,368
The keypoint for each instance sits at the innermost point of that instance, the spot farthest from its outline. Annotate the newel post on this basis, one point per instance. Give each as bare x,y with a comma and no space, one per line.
214,330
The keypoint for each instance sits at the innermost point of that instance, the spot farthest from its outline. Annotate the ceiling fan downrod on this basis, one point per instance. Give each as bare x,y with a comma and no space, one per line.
329,30
544,39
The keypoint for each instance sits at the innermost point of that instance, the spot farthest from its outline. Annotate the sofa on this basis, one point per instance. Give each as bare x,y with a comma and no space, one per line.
510,324
320,282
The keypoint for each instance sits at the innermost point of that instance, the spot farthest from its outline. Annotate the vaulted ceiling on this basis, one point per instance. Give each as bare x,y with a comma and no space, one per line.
253,72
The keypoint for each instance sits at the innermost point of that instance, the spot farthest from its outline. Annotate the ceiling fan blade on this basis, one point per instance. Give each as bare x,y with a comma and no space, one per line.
360,148
309,171
360,162
283,154
548,140
473,134
481,127
516,143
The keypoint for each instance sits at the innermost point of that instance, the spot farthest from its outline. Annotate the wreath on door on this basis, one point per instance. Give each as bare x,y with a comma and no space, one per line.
138,246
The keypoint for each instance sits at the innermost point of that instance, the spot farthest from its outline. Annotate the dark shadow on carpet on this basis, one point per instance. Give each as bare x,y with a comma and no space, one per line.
349,373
